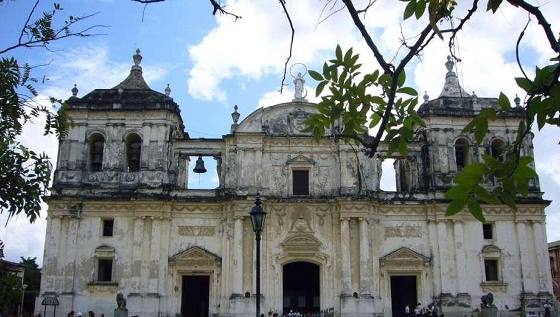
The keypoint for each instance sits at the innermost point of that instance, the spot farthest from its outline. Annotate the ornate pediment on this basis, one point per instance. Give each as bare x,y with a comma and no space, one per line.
301,243
404,257
300,159
491,251
196,257
104,251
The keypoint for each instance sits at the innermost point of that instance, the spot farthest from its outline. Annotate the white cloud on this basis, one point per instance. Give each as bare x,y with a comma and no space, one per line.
89,67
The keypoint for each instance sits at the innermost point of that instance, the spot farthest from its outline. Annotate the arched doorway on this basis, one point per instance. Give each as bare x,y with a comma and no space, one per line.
300,287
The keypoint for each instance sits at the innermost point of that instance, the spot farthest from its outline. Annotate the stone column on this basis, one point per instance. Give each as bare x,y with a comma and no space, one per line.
155,256
377,241
434,241
541,248
71,254
523,252
365,258
55,251
238,256
446,257
345,264
459,250
136,260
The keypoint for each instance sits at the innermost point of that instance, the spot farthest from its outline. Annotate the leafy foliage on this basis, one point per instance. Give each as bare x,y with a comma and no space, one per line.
352,103
25,174
351,108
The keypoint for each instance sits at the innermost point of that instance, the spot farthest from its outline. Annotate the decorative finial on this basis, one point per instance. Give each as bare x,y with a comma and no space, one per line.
517,101
449,64
75,91
167,90
426,97
235,117
452,87
235,114
137,58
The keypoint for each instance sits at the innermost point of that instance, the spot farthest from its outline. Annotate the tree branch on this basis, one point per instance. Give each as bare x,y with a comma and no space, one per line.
59,34
283,4
369,41
554,43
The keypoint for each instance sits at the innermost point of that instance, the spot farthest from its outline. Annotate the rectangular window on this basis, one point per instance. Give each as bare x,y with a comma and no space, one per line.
491,270
105,270
108,227
301,182
487,231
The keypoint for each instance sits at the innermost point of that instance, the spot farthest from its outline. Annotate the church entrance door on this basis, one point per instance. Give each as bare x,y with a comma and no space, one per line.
403,292
195,296
301,287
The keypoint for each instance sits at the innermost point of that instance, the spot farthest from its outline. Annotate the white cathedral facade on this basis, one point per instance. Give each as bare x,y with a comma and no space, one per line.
122,220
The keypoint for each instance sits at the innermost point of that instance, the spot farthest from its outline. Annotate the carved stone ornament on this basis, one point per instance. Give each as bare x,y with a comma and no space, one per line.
296,119
197,230
196,257
403,232
404,257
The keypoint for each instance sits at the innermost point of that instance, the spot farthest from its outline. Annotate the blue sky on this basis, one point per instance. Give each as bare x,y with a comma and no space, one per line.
213,63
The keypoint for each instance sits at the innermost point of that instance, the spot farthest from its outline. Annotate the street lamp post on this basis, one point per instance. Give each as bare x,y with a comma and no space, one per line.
258,216
23,287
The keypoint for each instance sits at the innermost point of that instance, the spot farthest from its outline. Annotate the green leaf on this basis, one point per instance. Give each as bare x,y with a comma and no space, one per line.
401,79
338,52
455,207
458,191
503,100
524,84
493,5
320,88
420,9
484,195
410,9
316,75
476,168
407,90
348,58
475,209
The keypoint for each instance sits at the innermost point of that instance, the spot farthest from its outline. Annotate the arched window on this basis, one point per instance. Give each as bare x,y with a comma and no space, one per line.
462,153
497,149
133,151
95,152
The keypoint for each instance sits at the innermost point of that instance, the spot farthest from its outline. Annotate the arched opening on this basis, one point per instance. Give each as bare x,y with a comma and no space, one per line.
301,288
388,179
133,151
497,149
95,152
462,153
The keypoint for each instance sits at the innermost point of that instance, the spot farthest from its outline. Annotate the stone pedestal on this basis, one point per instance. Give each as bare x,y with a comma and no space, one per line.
121,312
489,312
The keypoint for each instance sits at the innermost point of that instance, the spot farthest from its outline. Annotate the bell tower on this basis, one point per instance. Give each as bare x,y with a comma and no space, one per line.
122,139
446,149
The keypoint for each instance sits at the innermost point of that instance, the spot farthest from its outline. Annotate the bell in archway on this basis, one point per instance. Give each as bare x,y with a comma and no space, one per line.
199,167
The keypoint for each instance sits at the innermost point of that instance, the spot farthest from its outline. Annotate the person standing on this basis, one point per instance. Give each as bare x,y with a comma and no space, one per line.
407,311
547,308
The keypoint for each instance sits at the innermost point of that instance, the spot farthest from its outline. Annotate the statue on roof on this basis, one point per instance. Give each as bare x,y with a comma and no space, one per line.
298,84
